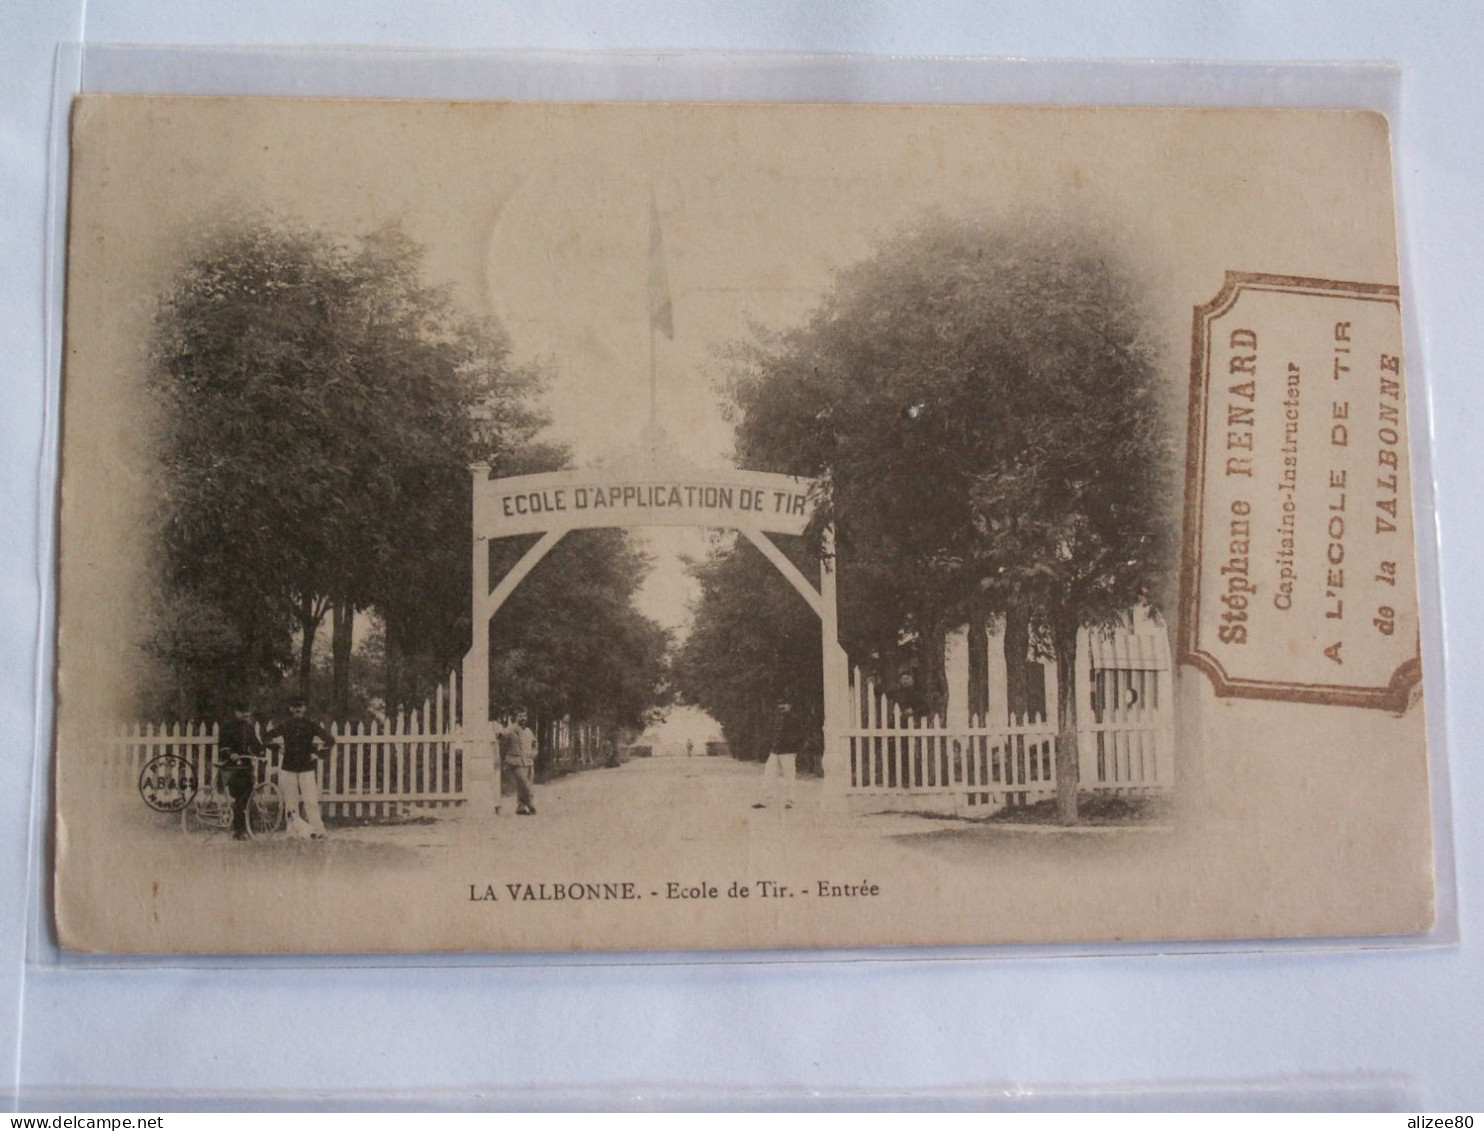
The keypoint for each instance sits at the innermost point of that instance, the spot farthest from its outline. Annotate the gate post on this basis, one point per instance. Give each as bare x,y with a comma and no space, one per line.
836,759
481,755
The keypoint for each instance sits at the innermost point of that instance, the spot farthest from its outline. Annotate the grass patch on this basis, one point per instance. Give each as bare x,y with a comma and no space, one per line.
1095,809
366,820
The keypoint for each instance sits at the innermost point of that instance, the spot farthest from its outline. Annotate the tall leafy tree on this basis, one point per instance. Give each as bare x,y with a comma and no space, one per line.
458,398
318,406
569,643
1078,519
883,396
978,402
248,481
754,645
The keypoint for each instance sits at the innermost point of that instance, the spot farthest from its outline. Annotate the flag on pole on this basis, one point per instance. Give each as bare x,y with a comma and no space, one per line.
661,316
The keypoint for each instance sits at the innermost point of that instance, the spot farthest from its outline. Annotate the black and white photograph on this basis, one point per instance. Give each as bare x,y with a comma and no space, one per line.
535,527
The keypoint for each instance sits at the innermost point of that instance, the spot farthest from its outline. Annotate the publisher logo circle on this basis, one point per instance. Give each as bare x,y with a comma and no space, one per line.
168,783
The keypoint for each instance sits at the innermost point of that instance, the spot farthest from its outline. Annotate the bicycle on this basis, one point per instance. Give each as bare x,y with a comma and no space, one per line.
211,807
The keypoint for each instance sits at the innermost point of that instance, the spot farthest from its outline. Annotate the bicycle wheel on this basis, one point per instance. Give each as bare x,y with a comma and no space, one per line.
193,820
265,809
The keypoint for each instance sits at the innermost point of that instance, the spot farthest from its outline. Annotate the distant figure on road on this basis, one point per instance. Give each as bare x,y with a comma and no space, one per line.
519,748
690,747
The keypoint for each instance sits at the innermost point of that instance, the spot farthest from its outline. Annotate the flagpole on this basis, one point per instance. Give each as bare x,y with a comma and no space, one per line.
653,399
659,308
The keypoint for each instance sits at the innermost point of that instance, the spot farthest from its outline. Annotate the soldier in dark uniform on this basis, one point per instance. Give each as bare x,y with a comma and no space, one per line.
237,744
305,742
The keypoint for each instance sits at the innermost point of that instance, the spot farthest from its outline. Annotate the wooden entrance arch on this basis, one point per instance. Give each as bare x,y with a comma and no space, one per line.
653,490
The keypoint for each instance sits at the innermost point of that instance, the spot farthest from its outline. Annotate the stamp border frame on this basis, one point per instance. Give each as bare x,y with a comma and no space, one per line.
1406,680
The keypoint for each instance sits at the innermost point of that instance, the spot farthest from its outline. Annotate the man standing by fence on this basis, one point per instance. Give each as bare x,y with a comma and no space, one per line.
298,778
237,745
518,746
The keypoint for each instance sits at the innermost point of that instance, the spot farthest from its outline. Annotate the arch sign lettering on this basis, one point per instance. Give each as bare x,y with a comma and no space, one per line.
532,504
653,490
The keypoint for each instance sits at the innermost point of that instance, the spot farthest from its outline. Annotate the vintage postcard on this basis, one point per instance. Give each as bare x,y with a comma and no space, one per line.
493,527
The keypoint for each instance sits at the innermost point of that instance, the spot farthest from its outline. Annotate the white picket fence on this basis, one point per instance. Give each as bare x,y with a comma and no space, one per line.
1123,749
382,768
577,746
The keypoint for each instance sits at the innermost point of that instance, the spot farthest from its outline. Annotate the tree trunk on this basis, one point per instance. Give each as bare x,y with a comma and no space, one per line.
1017,670
934,671
1064,638
392,669
342,628
541,727
977,643
309,618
